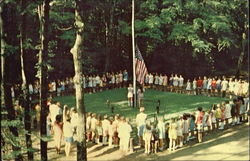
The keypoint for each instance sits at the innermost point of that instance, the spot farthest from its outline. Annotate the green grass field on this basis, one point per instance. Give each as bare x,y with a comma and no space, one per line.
172,104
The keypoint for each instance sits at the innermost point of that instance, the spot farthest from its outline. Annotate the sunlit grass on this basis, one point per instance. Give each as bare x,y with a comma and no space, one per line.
170,102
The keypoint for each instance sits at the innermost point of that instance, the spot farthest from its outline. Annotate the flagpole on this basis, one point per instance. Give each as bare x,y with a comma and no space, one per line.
133,49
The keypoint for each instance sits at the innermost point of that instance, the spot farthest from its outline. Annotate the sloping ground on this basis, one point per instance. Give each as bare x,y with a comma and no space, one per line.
230,144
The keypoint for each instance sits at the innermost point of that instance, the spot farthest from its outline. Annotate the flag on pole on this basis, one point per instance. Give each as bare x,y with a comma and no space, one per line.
140,66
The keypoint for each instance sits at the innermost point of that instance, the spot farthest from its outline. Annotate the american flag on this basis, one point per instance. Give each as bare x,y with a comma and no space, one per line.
140,67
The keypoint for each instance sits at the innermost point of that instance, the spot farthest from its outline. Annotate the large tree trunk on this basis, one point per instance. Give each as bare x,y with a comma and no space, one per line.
242,54
77,51
5,70
43,13
109,34
25,90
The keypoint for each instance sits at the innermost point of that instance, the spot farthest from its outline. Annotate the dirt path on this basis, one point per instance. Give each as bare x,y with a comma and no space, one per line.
230,144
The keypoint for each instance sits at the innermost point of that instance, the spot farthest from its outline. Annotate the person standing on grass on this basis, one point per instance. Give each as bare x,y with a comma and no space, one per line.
176,83
105,129
213,112
125,78
160,82
199,85
172,134
140,122
115,126
140,96
120,79
213,86
198,122
181,82
151,80
209,86
58,133
99,130
227,113
222,107
155,139
130,95
161,128
185,128
147,136
88,126
224,87
218,86
179,129
74,118
209,120
218,114
156,81
191,126
204,85
171,80
165,82
195,86
124,131
68,131
146,80
93,127
110,131
188,88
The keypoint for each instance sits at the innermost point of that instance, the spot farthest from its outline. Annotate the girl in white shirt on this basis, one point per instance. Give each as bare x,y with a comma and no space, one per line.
130,95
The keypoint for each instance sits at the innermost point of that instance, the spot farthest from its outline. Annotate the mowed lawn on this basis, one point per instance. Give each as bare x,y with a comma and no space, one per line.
171,103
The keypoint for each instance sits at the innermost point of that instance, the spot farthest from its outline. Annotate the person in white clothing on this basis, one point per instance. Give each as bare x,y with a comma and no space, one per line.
130,95
151,80
162,133
228,108
55,110
140,122
68,131
224,86
93,127
124,131
181,82
105,129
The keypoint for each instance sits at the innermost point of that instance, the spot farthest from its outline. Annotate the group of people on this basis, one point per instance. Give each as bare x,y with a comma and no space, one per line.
91,83
153,135
209,86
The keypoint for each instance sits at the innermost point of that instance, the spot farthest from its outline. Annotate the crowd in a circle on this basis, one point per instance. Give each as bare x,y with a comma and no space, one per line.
206,85
153,135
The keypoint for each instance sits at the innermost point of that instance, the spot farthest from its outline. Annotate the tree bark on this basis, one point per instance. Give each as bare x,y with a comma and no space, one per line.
5,69
25,90
109,33
43,13
77,57
242,54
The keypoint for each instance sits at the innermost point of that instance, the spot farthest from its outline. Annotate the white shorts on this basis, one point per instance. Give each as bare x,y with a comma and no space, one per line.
130,95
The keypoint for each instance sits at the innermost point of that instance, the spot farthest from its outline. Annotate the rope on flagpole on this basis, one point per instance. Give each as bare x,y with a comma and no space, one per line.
133,48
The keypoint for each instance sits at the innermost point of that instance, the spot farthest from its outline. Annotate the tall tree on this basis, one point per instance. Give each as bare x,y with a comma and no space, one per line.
6,58
25,90
43,13
77,51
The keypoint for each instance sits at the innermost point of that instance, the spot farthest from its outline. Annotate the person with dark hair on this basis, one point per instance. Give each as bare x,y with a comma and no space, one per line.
213,112
198,122
58,133
68,131
233,111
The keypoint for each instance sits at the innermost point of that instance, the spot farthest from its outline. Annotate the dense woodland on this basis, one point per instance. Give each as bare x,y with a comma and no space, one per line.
189,37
